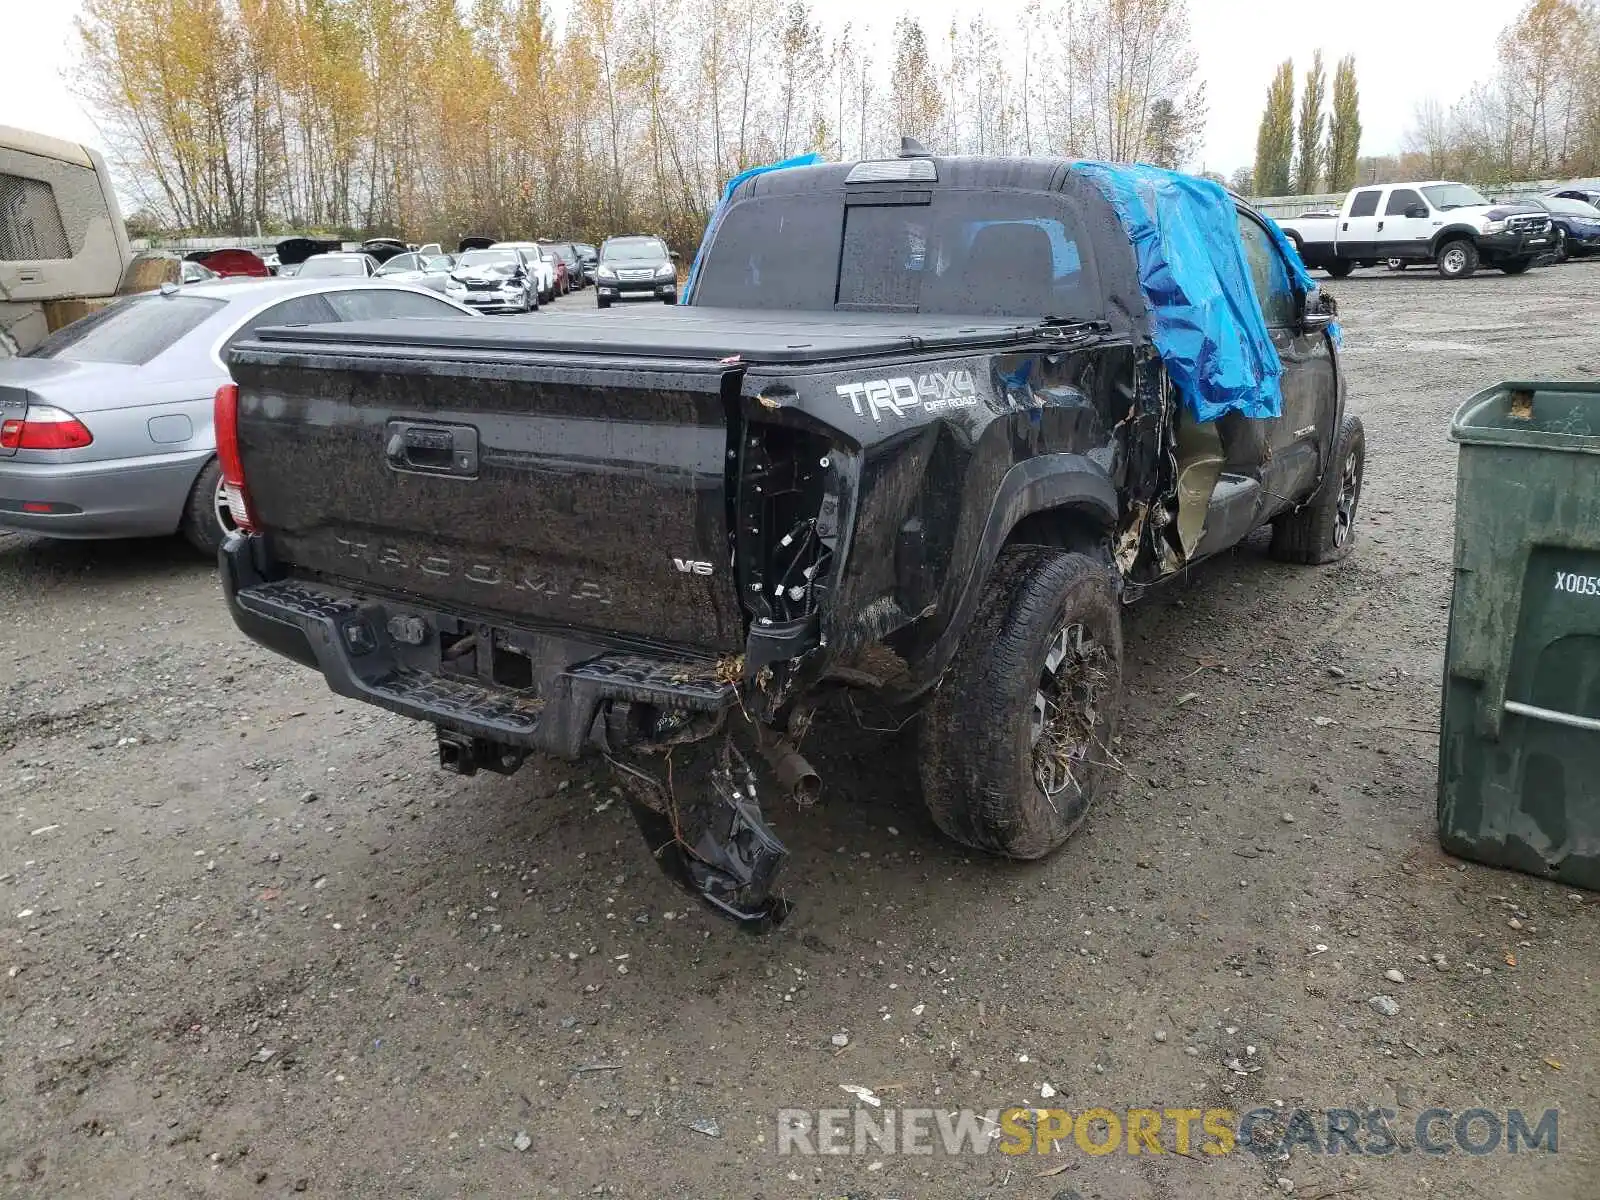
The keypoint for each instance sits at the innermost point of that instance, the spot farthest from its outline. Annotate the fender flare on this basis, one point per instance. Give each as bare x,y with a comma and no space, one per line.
1452,233
1046,483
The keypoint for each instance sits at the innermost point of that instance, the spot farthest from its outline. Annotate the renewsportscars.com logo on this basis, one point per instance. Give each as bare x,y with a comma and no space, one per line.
1151,1131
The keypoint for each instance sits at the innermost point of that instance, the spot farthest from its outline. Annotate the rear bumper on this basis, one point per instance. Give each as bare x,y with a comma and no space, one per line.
509,687
130,497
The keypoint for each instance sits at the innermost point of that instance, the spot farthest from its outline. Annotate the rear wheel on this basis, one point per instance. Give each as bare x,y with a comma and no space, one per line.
1458,259
1016,740
601,302
1563,251
1340,268
1396,264
1322,530
206,517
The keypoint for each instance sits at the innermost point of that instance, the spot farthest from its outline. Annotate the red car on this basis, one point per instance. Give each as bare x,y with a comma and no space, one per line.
231,261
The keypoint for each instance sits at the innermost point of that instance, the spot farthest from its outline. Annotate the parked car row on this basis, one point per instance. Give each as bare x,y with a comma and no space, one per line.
559,266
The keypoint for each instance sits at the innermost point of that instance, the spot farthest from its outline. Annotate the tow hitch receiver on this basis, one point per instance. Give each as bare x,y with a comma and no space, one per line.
462,754
714,841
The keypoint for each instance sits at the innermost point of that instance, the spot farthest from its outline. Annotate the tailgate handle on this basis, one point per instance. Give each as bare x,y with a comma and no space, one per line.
432,449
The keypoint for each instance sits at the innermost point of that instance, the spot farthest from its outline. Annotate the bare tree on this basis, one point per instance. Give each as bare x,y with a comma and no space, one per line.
917,103
1536,59
799,63
1429,140
1129,54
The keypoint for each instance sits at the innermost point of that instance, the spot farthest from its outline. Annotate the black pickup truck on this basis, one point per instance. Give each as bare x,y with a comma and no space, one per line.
914,432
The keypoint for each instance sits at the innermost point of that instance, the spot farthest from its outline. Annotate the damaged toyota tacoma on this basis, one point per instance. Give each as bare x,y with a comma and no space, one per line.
920,428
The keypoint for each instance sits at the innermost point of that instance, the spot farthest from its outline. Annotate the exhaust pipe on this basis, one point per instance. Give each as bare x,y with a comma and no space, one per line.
795,774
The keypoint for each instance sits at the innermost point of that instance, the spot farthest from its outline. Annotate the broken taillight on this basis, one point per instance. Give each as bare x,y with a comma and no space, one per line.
226,422
787,529
44,428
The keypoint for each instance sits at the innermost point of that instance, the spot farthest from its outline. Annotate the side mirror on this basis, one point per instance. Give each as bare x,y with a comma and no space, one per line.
1317,311
674,255
1417,211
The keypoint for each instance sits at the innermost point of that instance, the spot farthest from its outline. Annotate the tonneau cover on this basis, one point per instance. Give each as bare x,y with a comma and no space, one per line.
685,333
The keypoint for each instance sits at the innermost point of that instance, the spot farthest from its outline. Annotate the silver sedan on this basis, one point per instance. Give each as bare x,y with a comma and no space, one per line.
431,271
105,426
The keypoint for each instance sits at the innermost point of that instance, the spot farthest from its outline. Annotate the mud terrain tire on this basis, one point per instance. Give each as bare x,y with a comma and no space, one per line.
1047,628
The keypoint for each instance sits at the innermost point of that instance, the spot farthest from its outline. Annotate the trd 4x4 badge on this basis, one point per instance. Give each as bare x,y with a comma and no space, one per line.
932,393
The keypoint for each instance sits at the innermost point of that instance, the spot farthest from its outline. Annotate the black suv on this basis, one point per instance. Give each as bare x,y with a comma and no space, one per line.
638,267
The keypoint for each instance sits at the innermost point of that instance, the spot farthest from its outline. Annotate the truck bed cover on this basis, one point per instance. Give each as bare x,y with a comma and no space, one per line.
693,334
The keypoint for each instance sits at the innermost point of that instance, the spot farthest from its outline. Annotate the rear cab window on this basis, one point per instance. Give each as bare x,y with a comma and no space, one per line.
1365,203
973,251
132,330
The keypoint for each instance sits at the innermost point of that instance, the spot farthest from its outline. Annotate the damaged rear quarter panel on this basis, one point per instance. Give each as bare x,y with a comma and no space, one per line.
944,456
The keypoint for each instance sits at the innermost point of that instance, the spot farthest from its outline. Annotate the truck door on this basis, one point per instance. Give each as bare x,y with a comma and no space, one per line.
1358,230
1406,225
1310,389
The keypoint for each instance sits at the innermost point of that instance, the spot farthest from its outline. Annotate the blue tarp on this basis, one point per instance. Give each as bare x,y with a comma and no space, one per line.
1209,327
804,160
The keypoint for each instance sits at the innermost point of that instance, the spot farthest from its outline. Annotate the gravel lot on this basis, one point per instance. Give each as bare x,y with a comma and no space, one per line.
258,945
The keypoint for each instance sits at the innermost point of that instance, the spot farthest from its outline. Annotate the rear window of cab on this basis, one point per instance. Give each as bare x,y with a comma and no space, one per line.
980,251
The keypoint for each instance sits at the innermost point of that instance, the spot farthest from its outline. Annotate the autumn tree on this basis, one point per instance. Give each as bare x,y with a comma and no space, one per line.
799,64
1344,129
1308,163
431,119
1538,54
1428,140
1129,55
1275,138
917,105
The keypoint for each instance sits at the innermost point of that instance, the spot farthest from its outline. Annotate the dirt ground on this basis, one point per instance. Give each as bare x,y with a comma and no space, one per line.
258,945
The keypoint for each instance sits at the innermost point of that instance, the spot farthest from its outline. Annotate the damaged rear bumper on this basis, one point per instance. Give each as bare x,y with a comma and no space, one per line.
495,693
520,688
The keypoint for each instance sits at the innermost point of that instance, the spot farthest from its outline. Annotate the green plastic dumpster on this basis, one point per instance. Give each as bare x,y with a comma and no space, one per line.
1519,735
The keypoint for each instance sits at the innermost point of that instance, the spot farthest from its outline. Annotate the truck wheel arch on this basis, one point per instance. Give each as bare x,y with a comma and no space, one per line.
1063,492
1451,233
1064,500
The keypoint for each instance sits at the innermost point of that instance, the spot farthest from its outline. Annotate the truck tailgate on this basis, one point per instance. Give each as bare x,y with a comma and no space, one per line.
551,491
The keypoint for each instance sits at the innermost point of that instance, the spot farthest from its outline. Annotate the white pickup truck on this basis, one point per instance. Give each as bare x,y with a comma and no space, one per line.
1448,224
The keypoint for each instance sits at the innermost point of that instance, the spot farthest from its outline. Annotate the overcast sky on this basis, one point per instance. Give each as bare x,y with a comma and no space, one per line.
1404,54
